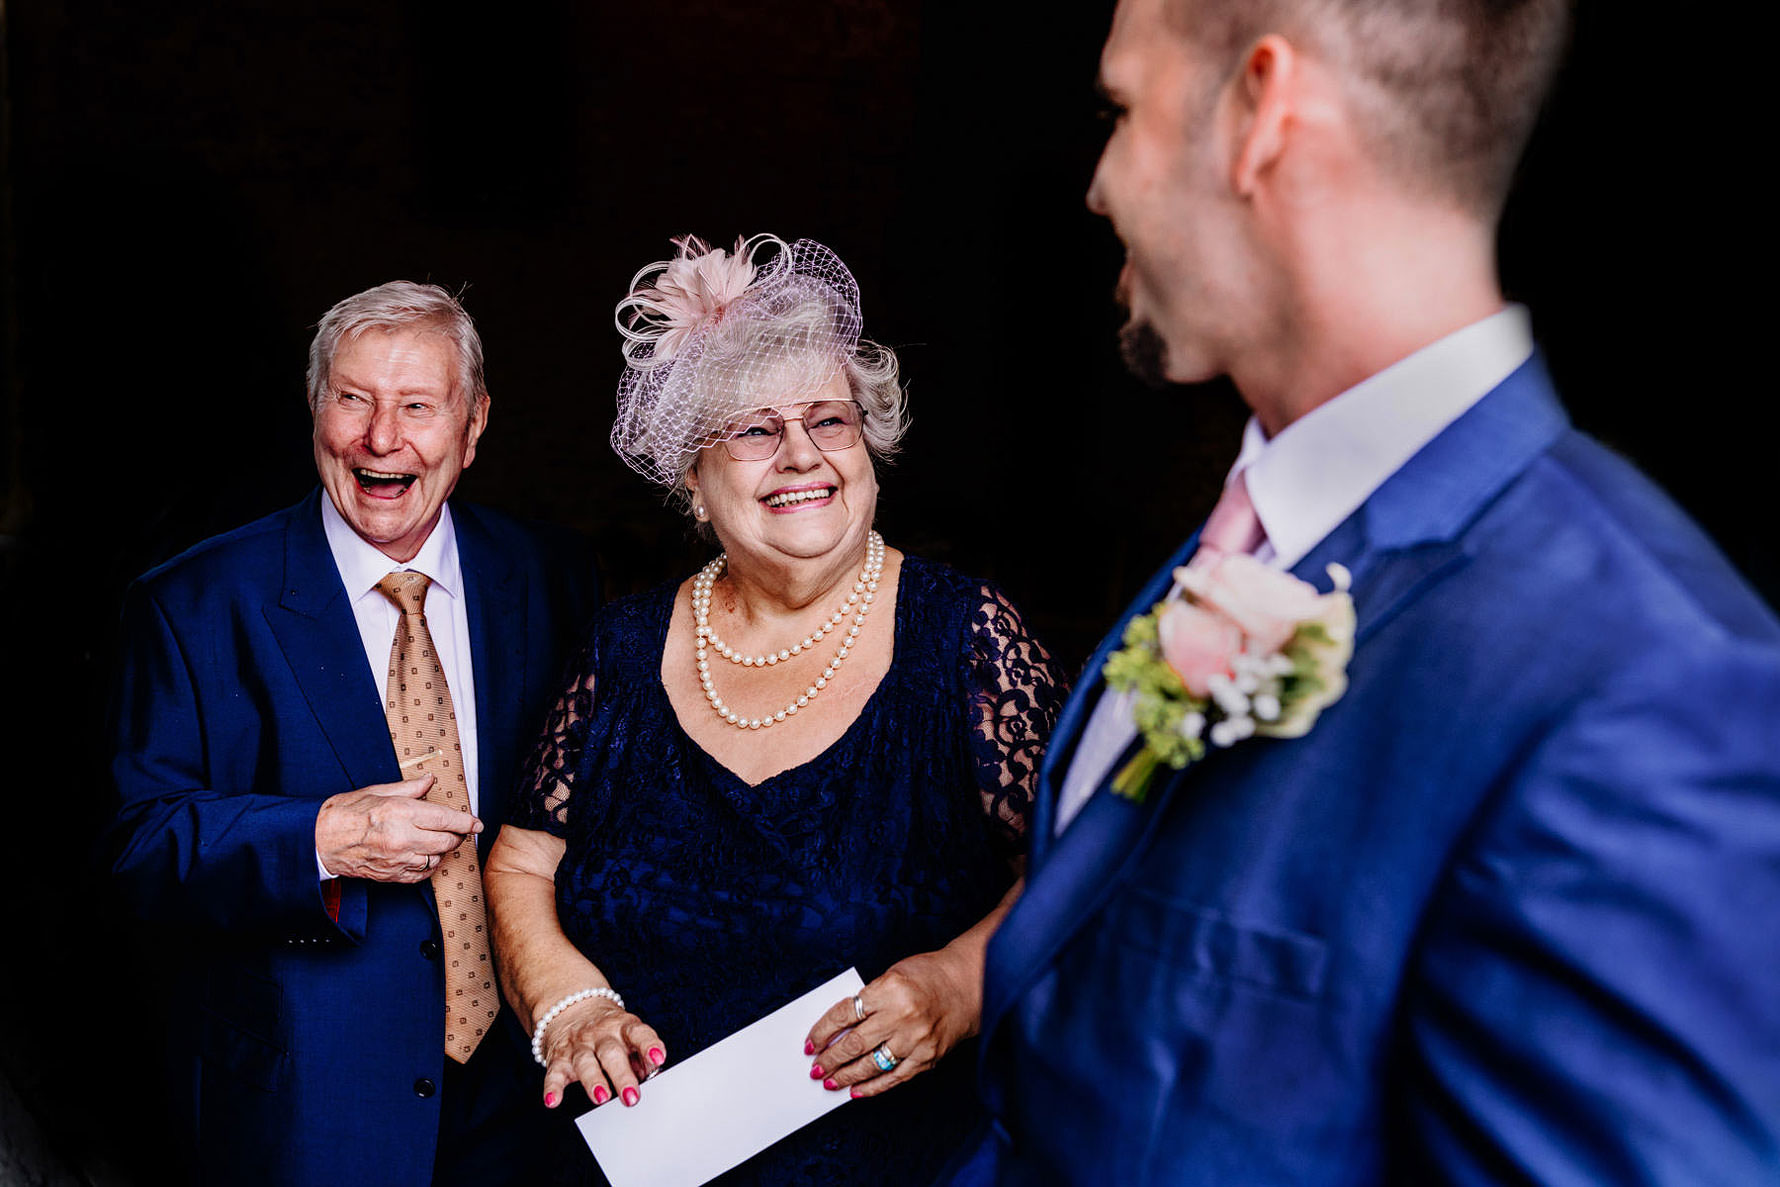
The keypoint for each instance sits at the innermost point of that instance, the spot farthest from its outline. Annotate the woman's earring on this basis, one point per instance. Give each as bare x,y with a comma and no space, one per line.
698,512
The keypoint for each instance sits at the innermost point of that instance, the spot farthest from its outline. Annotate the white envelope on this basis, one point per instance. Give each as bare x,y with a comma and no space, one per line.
735,1098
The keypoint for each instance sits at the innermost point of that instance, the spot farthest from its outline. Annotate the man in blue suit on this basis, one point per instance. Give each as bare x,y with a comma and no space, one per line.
264,819
1507,913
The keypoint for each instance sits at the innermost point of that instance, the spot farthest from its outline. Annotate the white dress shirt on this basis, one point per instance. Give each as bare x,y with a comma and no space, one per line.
1321,467
361,567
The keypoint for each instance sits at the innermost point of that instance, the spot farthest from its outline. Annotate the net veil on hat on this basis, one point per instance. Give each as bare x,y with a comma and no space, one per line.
710,334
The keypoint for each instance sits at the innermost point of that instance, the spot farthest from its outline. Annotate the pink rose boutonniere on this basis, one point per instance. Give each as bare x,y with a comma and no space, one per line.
1248,650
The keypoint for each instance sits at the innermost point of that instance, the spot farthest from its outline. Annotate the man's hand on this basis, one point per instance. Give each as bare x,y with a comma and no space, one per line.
389,832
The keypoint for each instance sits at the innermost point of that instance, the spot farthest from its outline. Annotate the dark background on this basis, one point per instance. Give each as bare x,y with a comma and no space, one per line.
188,187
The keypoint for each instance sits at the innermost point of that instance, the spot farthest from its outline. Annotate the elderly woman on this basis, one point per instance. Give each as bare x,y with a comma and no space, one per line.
814,753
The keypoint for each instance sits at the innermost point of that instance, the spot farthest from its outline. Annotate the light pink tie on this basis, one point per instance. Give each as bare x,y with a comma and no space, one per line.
1233,527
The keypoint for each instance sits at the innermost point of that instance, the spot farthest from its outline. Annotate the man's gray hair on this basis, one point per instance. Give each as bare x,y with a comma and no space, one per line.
399,305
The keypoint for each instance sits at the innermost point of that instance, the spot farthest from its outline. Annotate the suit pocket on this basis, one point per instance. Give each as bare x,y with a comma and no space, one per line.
243,1019
1205,945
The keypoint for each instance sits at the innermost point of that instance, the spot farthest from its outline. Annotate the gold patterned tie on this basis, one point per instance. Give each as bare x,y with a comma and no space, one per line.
423,724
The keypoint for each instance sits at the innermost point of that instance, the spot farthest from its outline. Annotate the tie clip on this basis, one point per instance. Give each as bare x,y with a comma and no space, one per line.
419,758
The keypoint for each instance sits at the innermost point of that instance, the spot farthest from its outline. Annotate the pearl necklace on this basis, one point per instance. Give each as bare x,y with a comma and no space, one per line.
857,605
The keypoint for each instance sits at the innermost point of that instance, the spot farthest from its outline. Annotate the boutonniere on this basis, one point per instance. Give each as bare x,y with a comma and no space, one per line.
1247,650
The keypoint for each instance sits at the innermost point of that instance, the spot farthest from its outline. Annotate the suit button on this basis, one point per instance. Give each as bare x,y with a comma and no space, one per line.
424,1087
429,949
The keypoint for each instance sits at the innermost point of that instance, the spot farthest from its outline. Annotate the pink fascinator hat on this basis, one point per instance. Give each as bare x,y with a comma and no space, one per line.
710,334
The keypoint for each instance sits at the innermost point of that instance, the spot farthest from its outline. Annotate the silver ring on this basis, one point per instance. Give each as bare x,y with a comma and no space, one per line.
858,1008
882,1057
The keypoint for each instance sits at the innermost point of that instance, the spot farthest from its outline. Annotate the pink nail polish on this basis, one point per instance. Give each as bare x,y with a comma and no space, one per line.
657,1056
600,1094
809,1048
816,1073
630,1097
550,1100
855,1094
830,1085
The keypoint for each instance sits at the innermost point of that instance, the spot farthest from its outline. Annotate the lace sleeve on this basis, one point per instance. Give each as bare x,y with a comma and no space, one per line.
549,779
1016,692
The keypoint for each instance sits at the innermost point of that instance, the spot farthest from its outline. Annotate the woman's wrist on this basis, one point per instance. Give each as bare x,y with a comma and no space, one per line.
564,1003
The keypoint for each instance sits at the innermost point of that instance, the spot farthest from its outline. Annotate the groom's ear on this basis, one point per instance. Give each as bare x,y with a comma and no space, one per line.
1265,97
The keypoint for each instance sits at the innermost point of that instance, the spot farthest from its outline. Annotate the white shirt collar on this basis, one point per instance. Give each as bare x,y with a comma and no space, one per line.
1321,467
362,565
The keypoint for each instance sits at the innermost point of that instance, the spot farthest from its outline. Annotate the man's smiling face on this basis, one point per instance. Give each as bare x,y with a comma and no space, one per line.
392,433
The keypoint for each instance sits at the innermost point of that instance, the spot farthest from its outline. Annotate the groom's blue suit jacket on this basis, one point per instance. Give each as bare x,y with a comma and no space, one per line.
307,1051
1509,913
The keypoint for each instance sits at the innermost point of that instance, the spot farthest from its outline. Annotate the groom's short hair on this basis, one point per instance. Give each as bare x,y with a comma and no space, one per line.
1446,91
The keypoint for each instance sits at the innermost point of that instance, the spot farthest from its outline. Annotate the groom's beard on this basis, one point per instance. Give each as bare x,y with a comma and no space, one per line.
1141,347
1144,352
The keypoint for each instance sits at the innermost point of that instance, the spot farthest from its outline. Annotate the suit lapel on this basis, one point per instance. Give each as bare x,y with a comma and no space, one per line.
495,605
1408,536
1101,837
1085,864
1067,734
315,630
1401,543
1386,580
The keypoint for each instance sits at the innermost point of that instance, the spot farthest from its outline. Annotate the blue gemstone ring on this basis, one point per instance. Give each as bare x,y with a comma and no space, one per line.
883,1058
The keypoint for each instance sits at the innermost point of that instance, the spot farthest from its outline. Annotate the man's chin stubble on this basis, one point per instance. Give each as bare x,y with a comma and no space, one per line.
1144,353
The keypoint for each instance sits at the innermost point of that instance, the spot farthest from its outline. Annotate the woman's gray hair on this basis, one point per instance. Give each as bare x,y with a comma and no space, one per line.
398,305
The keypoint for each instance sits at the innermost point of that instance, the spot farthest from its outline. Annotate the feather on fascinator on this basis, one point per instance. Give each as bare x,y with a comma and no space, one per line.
710,334
696,287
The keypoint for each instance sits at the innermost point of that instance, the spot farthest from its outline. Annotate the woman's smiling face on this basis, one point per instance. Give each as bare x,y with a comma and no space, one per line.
802,502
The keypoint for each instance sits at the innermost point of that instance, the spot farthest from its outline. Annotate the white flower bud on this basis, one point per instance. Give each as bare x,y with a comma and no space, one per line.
1231,701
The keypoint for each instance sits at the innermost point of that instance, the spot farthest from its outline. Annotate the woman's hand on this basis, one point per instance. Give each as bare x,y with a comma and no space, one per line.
915,1013
607,1049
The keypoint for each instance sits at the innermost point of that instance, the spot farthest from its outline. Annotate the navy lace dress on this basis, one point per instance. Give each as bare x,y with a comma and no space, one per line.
709,902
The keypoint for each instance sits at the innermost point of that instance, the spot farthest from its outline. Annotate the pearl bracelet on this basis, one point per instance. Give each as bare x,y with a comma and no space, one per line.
579,995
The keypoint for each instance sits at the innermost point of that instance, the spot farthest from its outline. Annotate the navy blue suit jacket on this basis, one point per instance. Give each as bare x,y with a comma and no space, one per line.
245,701
1510,912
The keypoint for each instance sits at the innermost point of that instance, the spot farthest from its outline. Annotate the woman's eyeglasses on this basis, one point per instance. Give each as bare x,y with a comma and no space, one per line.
830,424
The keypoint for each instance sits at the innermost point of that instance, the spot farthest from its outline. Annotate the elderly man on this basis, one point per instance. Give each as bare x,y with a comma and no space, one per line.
320,719
1506,912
